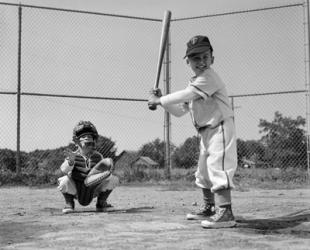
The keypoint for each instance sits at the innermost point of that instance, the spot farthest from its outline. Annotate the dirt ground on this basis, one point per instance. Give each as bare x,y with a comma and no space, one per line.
152,218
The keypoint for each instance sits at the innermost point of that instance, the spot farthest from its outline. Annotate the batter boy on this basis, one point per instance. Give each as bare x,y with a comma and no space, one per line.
79,163
206,99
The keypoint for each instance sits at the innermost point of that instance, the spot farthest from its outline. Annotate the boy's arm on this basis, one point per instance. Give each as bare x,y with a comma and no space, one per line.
180,96
175,103
66,167
177,110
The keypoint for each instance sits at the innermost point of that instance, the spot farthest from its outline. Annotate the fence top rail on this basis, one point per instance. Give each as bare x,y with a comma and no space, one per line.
137,99
84,97
239,12
270,93
81,11
153,19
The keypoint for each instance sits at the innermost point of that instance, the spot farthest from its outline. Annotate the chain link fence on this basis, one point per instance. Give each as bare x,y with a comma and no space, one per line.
70,65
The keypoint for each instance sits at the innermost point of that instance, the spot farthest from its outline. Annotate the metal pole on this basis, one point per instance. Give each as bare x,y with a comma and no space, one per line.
167,125
18,165
233,106
308,85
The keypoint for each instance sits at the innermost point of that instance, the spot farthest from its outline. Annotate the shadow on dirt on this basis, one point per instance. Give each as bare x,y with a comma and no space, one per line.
15,232
278,224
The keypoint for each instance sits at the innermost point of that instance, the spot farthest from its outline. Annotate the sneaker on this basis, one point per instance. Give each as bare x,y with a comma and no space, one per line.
68,209
204,212
102,207
102,203
223,218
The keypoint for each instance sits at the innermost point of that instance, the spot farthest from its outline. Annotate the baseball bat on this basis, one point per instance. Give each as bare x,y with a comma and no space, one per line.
162,48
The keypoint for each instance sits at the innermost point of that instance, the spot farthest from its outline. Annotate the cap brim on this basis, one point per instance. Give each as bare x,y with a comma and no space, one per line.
86,133
197,50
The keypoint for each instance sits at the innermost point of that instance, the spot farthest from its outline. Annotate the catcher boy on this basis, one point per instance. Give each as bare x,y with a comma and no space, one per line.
206,99
79,165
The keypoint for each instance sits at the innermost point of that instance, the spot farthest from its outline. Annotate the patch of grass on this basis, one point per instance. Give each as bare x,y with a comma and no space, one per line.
180,179
274,178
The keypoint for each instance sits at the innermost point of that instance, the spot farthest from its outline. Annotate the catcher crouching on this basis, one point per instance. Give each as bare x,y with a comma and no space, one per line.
87,173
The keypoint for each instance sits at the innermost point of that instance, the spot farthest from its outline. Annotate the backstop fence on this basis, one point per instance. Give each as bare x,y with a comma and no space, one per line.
60,66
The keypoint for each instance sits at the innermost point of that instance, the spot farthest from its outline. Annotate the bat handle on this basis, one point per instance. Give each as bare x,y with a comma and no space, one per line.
156,92
152,107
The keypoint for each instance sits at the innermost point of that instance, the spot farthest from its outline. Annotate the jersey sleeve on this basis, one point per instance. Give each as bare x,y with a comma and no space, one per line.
65,167
204,85
177,110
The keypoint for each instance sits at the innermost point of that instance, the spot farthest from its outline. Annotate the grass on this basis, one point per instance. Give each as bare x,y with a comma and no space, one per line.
180,179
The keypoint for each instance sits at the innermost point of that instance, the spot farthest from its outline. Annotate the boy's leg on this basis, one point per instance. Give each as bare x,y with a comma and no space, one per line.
208,208
222,163
203,181
102,203
67,187
69,207
104,190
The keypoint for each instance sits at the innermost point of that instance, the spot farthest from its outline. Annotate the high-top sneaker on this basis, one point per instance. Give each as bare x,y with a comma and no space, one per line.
204,212
223,218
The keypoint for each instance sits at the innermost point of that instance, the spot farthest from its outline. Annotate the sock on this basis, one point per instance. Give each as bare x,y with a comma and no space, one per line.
223,197
208,196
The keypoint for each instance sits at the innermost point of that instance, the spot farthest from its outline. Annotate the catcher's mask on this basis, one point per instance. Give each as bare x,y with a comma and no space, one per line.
84,128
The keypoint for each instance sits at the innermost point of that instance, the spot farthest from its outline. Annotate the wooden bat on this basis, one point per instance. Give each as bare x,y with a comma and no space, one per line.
162,48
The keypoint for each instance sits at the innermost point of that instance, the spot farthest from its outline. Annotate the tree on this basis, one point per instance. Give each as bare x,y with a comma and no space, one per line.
285,141
187,154
8,159
249,150
155,150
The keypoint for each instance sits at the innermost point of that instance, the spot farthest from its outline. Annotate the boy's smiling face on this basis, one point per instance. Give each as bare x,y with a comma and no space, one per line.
200,62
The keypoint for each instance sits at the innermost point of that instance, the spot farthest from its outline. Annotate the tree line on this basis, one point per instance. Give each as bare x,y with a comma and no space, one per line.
282,144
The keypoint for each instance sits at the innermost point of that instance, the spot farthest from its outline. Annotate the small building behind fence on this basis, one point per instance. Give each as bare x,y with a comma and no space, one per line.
144,162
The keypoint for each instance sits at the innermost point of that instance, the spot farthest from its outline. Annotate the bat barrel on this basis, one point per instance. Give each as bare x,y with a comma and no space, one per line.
162,48
162,45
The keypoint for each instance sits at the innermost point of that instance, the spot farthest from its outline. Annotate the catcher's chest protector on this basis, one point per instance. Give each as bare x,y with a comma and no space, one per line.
81,168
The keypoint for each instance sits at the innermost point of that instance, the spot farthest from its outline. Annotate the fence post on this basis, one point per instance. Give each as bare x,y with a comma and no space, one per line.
18,164
167,125
307,69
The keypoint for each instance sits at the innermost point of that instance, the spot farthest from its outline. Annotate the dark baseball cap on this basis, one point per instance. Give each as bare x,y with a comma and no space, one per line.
198,44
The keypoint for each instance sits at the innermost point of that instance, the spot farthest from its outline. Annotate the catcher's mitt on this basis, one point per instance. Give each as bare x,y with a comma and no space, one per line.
101,171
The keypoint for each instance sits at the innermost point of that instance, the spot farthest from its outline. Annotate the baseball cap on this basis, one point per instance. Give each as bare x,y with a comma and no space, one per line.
198,44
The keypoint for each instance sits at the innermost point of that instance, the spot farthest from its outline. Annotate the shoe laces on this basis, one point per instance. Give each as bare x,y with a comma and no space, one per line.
205,208
219,214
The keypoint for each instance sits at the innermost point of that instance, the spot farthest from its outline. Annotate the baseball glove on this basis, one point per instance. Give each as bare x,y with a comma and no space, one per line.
101,171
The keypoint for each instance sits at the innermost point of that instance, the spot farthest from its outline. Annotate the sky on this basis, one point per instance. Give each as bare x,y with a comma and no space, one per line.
73,54
156,8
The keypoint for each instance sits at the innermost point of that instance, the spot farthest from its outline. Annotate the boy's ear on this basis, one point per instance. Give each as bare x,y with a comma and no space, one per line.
187,61
212,59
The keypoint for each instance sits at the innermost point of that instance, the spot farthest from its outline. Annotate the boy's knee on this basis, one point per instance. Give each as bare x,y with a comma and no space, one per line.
65,185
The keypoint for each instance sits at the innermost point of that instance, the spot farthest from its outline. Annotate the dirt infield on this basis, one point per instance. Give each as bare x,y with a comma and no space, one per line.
152,218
